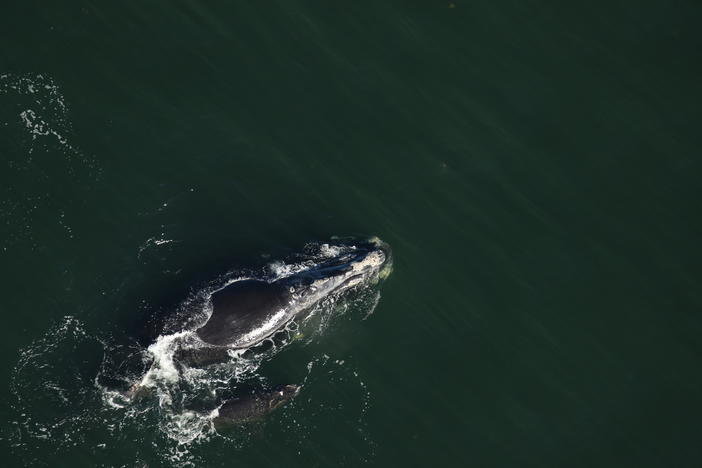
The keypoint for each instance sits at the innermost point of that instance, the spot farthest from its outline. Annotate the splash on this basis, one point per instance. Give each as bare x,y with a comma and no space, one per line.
163,369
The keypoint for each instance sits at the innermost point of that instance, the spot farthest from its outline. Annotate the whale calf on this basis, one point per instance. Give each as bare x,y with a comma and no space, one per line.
253,407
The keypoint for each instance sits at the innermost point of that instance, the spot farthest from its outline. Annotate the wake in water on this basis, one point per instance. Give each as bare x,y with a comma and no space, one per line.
75,389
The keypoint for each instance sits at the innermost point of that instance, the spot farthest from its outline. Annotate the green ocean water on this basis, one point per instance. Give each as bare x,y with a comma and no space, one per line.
534,165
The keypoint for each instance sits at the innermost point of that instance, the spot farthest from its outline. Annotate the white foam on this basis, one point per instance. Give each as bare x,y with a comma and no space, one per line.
163,368
48,114
153,242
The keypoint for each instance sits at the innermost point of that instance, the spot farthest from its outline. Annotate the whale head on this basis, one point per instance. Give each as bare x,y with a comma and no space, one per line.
349,264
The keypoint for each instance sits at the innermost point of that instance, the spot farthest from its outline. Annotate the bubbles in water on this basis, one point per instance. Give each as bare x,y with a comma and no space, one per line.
42,112
34,118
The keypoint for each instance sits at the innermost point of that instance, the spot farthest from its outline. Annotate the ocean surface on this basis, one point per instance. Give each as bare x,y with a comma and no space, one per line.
535,166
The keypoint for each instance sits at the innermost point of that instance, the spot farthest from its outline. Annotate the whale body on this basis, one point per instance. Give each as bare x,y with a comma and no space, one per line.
246,312
253,407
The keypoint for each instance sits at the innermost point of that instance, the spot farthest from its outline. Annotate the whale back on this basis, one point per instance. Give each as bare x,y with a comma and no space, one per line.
253,407
246,312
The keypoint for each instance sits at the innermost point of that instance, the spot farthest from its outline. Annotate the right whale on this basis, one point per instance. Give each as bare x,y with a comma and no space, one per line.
246,312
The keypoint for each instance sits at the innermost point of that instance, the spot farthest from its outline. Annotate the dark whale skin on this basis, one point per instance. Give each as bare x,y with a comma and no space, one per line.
254,407
241,307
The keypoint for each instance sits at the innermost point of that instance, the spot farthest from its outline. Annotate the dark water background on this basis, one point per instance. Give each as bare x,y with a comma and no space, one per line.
534,164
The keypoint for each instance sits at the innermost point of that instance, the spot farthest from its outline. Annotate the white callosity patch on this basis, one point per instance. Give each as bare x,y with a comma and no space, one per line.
365,270
372,261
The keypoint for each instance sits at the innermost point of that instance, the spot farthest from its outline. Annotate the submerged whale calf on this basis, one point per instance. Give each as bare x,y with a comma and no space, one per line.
253,407
246,312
